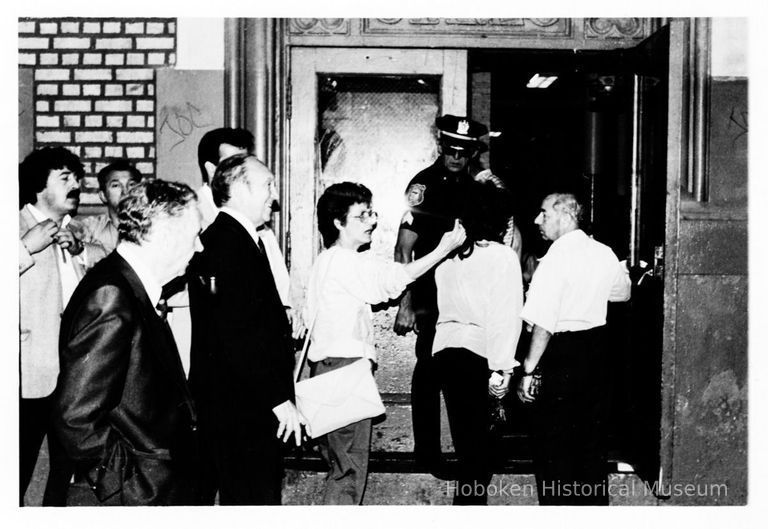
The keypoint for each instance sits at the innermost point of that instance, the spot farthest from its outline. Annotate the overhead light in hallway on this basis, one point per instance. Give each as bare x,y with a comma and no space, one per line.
539,81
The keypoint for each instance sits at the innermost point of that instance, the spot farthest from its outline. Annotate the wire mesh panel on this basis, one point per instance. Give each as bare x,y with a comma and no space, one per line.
379,131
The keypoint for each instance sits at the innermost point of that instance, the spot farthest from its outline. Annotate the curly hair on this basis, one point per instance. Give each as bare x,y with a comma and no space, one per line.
35,168
146,201
334,204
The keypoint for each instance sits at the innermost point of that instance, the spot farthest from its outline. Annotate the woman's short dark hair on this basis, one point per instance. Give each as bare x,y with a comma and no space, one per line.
485,214
34,170
334,204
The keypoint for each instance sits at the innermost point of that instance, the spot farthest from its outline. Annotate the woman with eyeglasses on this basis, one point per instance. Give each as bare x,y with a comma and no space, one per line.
343,284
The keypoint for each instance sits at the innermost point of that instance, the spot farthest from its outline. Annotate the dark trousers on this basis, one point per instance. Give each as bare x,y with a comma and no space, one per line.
425,396
345,451
205,481
570,421
464,381
249,464
34,425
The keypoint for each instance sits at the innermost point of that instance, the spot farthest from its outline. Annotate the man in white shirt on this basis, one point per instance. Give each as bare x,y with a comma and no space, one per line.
51,263
567,305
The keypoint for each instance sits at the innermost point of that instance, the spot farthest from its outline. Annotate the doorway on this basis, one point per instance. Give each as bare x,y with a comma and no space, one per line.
597,124
602,129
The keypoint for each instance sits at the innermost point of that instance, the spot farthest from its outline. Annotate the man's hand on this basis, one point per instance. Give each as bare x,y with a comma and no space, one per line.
405,321
524,389
290,421
298,326
498,385
67,241
40,236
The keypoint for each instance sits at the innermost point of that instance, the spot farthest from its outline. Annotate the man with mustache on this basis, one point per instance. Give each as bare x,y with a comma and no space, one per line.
434,199
51,263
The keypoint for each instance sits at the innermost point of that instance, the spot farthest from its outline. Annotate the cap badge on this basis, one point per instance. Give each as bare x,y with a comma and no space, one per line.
462,127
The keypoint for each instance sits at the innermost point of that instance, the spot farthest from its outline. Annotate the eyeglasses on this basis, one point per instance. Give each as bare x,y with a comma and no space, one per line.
366,215
453,152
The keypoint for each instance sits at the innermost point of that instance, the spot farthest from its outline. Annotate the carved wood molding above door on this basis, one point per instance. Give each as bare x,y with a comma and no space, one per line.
616,28
531,33
534,27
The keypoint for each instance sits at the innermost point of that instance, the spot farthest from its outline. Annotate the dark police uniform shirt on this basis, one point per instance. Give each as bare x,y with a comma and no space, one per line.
434,200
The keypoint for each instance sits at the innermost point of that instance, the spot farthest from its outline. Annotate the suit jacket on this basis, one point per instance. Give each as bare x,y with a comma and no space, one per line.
122,408
40,307
242,359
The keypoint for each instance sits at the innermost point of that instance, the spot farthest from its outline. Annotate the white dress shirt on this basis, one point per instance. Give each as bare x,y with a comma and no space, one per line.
152,286
343,284
573,284
67,271
479,300
206,205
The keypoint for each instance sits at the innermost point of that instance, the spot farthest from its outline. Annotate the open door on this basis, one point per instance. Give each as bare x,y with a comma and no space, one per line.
656,78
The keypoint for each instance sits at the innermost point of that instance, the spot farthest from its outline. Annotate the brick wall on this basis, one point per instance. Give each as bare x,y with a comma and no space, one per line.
94,85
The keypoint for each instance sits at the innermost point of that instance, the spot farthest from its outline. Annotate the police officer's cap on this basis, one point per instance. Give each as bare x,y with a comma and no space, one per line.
460,133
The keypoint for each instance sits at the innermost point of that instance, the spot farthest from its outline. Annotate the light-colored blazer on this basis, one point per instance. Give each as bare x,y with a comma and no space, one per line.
40,308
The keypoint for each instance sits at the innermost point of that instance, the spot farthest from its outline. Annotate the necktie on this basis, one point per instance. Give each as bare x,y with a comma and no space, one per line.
262,249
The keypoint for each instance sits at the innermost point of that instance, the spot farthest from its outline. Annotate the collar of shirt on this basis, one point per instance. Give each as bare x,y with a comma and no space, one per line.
244,221
129,252
39,216
207,206
576,236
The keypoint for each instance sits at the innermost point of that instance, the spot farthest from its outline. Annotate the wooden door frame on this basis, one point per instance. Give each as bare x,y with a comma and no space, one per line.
305,65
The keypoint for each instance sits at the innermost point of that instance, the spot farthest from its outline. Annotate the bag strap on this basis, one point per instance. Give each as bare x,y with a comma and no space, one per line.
305,347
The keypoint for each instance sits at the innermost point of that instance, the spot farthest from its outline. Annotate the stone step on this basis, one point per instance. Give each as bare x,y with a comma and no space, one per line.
306,488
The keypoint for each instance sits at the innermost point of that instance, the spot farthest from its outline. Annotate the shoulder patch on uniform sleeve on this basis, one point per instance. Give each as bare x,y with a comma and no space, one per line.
415,194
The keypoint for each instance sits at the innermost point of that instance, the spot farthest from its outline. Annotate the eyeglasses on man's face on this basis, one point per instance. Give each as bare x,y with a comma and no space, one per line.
366,216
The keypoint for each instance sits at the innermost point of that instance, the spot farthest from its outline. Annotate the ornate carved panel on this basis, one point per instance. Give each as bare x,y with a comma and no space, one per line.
533,27
319,26
615,28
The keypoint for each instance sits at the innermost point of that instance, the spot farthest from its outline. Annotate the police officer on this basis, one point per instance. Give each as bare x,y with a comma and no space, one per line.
434,197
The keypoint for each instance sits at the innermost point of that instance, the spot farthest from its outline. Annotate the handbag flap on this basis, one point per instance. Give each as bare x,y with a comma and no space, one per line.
334,387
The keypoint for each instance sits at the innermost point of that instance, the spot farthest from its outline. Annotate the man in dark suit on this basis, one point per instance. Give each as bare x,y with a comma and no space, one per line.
242,357
122,408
